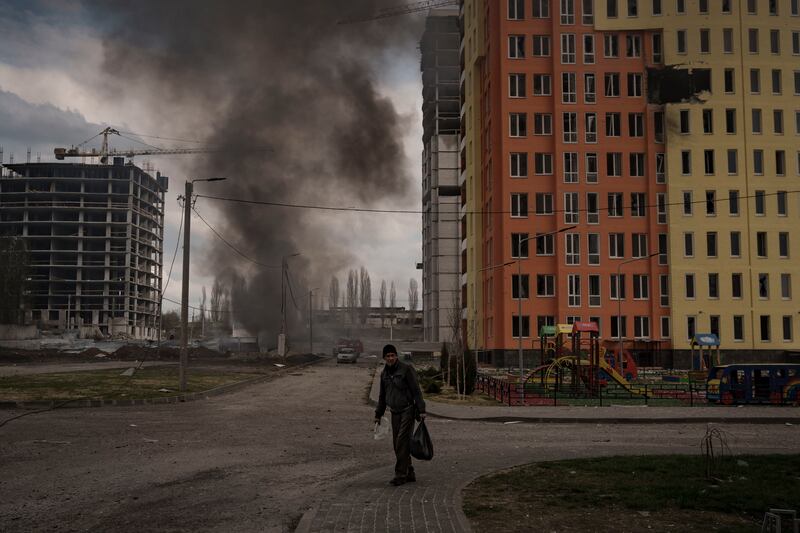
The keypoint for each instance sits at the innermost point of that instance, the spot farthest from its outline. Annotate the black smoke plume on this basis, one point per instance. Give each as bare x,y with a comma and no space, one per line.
270,73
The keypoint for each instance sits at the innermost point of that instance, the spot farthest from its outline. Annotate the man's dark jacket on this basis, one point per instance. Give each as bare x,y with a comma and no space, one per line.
399,389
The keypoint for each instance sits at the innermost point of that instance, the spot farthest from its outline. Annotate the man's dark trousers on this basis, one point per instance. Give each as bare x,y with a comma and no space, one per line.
402,427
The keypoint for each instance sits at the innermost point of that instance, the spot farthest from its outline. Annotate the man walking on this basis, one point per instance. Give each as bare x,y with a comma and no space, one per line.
400,392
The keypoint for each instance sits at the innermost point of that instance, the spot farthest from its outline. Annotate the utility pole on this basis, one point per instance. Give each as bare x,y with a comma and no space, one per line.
310,322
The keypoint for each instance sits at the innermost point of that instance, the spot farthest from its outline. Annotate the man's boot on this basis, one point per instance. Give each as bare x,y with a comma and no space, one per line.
411,476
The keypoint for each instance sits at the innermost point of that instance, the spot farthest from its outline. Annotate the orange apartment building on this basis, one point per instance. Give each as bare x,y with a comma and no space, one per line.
567,139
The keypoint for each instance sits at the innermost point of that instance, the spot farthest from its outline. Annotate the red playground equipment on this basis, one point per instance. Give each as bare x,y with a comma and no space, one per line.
628,370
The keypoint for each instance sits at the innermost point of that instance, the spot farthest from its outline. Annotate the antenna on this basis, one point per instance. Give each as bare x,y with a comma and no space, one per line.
28,158
38,157
11,159
1,155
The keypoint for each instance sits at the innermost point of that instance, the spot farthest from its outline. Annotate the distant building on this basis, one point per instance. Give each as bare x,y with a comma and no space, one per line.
376,317
94,235
441,194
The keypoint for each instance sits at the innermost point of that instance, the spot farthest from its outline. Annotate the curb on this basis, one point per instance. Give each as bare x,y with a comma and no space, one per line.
128,402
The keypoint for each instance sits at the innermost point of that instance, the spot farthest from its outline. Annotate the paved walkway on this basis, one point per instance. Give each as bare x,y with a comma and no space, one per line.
51,368
433,503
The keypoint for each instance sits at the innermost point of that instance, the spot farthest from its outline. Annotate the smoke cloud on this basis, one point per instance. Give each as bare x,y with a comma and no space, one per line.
249,74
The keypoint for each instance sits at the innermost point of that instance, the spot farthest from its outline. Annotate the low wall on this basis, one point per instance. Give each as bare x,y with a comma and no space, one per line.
13,332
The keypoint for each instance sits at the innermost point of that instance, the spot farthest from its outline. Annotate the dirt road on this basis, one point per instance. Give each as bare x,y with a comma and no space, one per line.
257,459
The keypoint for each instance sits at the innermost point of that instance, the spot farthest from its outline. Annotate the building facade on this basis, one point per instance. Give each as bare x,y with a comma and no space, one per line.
440,173
634,162
94,236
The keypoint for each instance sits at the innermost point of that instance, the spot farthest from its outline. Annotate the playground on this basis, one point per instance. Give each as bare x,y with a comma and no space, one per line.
577,367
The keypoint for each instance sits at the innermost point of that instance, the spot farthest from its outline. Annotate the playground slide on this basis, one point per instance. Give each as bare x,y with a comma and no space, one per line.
616,376
535,371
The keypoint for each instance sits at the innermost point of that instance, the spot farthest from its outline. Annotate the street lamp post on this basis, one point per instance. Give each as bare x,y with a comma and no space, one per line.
311,320
282,348
619,302
187,222
519,304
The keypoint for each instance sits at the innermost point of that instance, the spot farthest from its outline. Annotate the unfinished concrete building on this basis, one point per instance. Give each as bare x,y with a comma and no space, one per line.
441,195
94,235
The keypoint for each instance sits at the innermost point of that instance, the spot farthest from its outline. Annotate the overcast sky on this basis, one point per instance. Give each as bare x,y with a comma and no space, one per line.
56,89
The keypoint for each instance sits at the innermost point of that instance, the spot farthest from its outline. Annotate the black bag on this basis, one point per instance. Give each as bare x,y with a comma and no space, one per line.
421,444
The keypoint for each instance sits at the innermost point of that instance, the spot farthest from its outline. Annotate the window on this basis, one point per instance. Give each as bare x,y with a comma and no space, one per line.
587,13
663,244
641,327
786,286
689,286
641,286
760,203
636,124
633,8
755,81
590,124
571,208
613,126
516,85
570,124
542,85
594,290
618,330
519,285
764,332
610,45
726,6
567,11
686,162
541,9
680,35
688,204
639,245
515,326
661,163
589,89
786,321
658,52
761,244
680,7
519,205
519,245
611,9
776,81
705,45
519,165
615,204
616,245
733,203
797,122
703,7
592,208
738,328
567,48
573,248
773,7
708,162
543,163
594,248
733,162
688,244
638,204
612,84
633,46
617,287
758,162
796,42
684,121
663,290
708,121
656,7
711,244
570,167
516,9
542,124
777,121
661,208
614,164
756,120
588,49
591,168
736,285
797,82
780,163
573,290
713,322
780,198
727,40
783,245
665,329
541,45
736,244
795,7
634,84
545,285
728,78
545,245
517,124
544,203
775,42
730,121
636,161
516,46
752,40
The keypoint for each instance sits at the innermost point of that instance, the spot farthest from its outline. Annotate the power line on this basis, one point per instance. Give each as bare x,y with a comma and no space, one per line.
232,247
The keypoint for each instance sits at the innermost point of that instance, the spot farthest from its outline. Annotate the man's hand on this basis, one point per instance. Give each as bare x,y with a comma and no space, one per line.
422,416
377,421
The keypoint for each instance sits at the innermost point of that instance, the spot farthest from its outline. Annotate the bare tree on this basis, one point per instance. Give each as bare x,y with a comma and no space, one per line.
352,294
333,291
392,300
382,300
203,311
365,287
217,294
13,273
413,299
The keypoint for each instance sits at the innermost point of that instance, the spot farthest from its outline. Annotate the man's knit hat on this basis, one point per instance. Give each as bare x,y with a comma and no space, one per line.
389,348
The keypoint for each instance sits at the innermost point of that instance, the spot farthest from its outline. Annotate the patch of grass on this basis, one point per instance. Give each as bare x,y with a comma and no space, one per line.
655,491
448,395
110,384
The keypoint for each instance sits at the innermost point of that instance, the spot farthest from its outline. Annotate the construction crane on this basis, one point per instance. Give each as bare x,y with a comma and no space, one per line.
403,10
105,151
